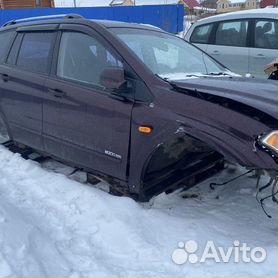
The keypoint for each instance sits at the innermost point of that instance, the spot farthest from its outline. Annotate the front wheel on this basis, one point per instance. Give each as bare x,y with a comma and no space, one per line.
4,135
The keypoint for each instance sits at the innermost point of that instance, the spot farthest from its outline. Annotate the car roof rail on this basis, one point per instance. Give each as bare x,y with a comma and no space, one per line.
38,18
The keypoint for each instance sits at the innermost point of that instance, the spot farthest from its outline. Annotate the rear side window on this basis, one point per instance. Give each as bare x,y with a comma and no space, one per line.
232,33
5,41
35,51
201,34
266,34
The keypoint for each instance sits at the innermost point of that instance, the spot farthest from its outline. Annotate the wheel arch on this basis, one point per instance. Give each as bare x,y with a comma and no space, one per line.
176,146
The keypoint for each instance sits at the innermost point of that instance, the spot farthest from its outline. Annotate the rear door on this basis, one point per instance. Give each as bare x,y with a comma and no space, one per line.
230,45
264,46
83,123
25,73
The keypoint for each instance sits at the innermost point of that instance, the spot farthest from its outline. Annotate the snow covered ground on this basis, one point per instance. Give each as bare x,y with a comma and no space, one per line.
53,226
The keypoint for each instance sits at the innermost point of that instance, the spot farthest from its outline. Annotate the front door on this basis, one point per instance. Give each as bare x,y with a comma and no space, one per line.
83,124
230,45
265,48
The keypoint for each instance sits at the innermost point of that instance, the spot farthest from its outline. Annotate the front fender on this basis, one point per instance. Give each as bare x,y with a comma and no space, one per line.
228,132
143,145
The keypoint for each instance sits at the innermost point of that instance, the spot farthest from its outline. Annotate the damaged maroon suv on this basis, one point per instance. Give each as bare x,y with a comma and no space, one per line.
131,104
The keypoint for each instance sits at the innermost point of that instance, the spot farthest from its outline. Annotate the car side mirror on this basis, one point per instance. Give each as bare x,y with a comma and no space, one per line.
113,79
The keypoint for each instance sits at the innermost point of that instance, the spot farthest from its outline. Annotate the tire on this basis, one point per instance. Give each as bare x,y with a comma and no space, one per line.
4,135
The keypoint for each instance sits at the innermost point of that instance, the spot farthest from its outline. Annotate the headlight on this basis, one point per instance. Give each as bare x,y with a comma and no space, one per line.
271,140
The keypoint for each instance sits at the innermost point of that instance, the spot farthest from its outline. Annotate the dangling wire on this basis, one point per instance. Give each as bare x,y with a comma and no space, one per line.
265,186
258,180
233,179
274,199
272,182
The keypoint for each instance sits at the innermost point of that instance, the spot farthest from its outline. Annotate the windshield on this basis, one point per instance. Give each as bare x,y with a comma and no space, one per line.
169,56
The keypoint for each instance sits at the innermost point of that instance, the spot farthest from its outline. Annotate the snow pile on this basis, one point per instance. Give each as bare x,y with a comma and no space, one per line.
53,226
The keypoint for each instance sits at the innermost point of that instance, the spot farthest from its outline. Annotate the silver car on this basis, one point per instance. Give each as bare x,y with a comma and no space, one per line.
244,41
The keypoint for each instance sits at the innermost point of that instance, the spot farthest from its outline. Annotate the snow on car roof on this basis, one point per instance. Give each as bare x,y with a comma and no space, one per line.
269,12
258,11
117,2
236,1
156,2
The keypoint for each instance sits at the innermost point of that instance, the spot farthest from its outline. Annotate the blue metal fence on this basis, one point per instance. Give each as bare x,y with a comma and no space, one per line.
166,17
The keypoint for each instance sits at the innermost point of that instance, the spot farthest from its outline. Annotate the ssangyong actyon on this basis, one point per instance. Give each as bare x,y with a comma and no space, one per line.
131,104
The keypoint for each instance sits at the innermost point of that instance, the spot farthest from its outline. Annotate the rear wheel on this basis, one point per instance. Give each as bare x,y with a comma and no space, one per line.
4,135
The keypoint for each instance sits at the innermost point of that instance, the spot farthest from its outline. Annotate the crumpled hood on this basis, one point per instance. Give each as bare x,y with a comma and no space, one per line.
258,93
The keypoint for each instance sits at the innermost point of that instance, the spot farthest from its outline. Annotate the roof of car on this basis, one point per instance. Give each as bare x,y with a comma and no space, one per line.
67,19
254,13
120,24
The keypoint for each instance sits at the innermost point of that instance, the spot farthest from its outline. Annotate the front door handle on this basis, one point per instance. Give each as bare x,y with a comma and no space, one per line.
215,52
5,77
260,56
57,93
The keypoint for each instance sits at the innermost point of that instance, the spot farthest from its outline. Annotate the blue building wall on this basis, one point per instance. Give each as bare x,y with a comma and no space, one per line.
166,17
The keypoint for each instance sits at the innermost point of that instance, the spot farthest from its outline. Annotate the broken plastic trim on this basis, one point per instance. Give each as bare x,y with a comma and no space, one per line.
259,143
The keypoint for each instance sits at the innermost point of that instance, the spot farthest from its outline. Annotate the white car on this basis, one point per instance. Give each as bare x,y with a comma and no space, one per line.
245,41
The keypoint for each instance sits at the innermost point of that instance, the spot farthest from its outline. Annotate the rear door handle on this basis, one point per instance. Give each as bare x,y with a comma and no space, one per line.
57,93
5,77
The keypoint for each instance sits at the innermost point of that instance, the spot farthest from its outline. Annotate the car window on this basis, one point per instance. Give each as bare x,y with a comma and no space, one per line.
166,55
169,58
82,58
5,39
14,50
232,33
201,34
35,51
266,34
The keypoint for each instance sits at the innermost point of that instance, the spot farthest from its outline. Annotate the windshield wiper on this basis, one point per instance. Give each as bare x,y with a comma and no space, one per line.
193,75
218,73
163,78
168,79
